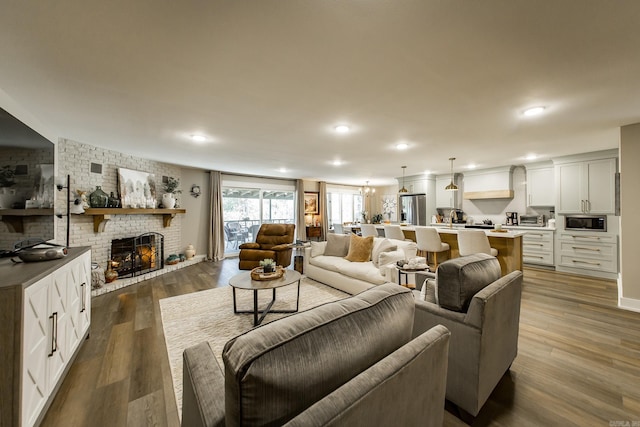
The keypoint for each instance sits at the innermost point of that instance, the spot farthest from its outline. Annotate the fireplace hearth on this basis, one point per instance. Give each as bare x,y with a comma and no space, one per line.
132,256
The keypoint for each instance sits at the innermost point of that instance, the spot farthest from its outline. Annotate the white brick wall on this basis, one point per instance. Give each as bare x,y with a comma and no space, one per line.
75,159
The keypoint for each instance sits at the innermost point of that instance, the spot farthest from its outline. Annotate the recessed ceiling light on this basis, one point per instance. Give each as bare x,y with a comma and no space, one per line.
198,138
402,146
531,157
336,163
534,111
342,129
283,170
427,172
471,166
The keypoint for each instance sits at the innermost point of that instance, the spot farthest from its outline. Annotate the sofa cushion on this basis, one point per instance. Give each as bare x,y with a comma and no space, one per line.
331,263
384,245
275,371
317,248
459,279
363,271
337,245
391,257
359,248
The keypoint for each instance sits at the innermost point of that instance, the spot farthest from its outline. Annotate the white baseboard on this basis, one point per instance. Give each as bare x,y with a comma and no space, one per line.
629,304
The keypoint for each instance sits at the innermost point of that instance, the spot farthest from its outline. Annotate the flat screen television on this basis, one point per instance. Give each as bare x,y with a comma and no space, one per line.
27,189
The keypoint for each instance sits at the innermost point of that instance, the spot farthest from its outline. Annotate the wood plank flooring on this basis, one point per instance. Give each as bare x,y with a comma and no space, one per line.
578,361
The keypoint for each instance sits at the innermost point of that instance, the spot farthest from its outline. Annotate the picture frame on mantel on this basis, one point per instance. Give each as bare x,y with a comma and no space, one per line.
311,203
137,188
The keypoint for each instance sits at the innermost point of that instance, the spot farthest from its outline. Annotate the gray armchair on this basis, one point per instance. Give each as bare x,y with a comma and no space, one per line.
482,311
336,364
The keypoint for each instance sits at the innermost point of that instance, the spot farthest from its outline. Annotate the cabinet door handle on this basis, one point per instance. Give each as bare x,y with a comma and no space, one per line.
585,262
83,287
585,237
535,256
585,248
588,203
582,206
54,333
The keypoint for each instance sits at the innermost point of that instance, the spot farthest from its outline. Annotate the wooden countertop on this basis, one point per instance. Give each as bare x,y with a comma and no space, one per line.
26,273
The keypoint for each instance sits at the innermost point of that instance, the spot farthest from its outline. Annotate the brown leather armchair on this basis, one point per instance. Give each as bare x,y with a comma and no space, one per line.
273,241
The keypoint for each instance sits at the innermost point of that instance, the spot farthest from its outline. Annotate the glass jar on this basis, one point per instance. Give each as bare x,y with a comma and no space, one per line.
98,199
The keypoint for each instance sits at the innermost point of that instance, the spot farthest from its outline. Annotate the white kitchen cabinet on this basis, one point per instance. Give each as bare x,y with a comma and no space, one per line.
586,187
541,186
583,252
46,311
537,247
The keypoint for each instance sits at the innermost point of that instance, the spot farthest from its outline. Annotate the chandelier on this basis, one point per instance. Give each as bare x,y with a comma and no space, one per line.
367,190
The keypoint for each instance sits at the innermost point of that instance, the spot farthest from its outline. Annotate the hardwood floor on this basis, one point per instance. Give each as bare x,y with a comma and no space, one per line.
578,361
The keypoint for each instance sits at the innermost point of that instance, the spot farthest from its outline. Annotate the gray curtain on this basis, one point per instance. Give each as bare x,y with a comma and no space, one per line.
323,210
301,230
215,249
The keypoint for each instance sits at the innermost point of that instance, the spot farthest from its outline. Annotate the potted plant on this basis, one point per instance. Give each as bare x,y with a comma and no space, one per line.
171,187
268,265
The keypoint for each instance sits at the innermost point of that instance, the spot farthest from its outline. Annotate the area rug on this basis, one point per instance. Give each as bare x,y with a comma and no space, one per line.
208,316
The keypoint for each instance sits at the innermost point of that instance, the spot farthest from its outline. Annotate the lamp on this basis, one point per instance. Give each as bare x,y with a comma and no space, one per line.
403,190
451,186
60,185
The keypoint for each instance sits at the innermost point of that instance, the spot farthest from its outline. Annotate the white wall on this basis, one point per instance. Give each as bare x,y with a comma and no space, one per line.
195,224
629,289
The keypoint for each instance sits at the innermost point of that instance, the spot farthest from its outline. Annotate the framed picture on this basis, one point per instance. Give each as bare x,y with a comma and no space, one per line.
137,189
311,202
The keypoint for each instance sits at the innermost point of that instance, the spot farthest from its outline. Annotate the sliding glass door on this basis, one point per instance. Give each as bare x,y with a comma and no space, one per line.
245,209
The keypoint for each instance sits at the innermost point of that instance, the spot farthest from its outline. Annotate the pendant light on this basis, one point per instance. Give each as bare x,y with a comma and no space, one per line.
403,190
451,186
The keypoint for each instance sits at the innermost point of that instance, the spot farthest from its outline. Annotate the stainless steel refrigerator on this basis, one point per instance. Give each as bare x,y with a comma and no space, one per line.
413,209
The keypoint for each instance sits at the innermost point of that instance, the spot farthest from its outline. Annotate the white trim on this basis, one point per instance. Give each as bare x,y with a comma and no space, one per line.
629,304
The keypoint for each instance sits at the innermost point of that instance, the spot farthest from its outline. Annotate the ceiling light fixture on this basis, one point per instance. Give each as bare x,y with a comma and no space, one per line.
368,190
451,186
471,166
336,163
342,129
402,146
534,111
199,138
531,157
283,170
403,190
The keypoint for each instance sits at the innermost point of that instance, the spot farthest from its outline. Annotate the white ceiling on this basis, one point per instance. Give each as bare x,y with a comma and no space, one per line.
267,80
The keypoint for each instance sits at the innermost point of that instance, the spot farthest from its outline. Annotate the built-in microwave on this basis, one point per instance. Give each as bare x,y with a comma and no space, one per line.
585,222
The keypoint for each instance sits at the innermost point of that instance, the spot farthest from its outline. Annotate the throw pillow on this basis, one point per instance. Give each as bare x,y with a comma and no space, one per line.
359,248
390,257
337,245
317,248
383,246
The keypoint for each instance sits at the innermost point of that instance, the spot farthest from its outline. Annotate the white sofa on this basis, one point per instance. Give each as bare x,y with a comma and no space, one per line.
355,277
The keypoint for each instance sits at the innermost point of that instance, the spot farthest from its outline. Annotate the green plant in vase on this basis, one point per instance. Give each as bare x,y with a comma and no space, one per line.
268,265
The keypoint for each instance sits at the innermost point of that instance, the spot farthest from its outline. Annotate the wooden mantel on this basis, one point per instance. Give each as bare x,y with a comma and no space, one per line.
13,218
102,215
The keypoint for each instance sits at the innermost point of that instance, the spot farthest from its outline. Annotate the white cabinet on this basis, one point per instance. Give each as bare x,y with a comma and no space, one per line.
56,316
540,186
586,187
537,247
582,251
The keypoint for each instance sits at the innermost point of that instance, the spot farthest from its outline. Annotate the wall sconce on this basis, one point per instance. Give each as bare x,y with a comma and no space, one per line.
195,190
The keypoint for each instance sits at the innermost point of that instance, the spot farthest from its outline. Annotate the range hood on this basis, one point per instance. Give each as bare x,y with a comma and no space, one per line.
495,183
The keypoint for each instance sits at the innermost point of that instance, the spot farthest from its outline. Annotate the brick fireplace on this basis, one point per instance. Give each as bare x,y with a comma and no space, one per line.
133,256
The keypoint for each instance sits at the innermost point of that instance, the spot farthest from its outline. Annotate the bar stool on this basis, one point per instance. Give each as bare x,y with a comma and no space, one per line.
393,232
368,230
473,242
428,240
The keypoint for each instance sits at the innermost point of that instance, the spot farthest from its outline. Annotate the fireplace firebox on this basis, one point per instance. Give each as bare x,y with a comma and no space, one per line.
132,256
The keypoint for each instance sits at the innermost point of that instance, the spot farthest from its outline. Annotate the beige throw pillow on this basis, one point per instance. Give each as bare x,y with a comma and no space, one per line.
337,245
359,248
383,246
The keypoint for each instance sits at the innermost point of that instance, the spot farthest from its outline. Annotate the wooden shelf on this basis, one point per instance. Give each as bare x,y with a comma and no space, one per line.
101,216
14,217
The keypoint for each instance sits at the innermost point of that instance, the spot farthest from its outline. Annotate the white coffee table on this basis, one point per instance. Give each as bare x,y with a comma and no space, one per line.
244,281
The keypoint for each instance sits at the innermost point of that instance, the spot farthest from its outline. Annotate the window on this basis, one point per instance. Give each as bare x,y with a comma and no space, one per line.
344,205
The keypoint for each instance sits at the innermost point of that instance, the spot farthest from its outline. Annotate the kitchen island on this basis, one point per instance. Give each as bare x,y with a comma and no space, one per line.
508,243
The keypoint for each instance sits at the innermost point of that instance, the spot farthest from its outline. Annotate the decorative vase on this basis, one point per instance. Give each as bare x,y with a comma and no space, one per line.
98,199
168,201
190,252
110,275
